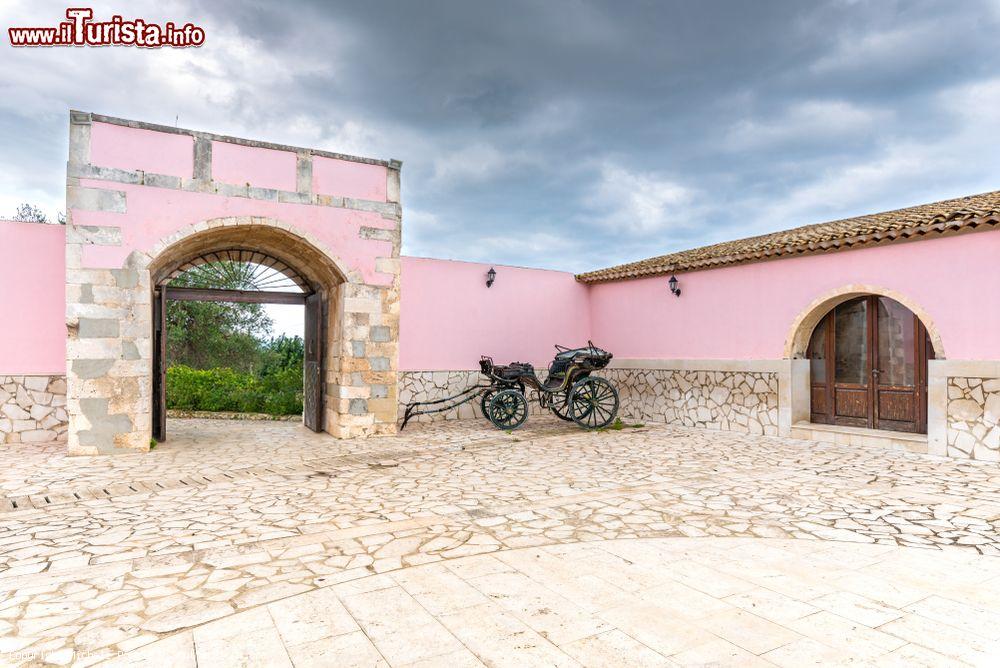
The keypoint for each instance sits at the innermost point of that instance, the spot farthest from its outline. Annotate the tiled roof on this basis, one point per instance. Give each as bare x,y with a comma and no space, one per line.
913,222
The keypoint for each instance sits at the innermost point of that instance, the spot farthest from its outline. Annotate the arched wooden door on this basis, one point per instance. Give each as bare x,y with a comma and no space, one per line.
869,366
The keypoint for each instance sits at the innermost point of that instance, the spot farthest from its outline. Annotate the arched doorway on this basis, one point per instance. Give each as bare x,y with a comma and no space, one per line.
257,264
868,366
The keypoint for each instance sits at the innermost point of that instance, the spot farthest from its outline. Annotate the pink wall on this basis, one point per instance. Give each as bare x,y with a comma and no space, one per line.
32,298
154,213
746,312
131,148
448,317
348,179
261,167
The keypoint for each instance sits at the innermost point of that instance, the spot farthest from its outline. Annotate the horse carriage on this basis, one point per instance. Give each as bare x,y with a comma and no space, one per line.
569,391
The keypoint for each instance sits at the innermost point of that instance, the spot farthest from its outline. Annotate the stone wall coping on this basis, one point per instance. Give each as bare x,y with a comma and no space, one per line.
966,368
757,366
81,117
34,374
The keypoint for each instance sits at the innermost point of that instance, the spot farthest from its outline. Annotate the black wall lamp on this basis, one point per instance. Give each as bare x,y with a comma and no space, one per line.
673,286
491,276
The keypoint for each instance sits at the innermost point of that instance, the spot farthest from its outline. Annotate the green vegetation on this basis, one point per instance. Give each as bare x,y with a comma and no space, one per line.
224,389
618,425
222,357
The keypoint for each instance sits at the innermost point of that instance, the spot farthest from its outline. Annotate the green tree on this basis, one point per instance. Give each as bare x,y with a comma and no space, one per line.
207,335
29,213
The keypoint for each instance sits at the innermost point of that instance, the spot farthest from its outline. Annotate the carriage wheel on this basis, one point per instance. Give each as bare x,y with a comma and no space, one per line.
508,409
560,406
593,403
484,403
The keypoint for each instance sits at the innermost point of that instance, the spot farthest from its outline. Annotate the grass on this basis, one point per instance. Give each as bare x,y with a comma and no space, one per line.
618,425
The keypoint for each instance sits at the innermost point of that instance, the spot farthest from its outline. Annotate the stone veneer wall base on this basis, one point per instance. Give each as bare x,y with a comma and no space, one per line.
32,409
742,401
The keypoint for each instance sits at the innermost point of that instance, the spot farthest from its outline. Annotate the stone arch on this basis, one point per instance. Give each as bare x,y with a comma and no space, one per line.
805,322
294,246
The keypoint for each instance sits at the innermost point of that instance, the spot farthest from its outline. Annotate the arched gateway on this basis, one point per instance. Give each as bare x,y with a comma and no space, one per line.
146,201
278,266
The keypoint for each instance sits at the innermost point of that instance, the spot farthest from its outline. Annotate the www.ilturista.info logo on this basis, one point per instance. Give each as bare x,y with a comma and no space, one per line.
82,30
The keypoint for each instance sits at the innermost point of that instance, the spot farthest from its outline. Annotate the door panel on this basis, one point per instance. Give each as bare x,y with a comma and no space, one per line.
821,395
313,399
851,360
852,402
851,343
160,365
896,390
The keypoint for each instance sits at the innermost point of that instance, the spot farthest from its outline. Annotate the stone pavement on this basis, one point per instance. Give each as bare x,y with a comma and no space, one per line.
645,602
104,555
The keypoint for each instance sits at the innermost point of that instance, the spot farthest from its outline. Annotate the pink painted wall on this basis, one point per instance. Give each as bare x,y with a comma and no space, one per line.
348,179
746,312
32,298
131,148
154,213
261,167
448,317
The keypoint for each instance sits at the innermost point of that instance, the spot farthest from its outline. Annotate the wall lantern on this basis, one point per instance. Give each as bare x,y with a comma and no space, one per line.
673,286
491,276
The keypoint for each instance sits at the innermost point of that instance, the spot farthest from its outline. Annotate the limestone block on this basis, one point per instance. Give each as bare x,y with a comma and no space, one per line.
991,413
965,409
39,383
15,412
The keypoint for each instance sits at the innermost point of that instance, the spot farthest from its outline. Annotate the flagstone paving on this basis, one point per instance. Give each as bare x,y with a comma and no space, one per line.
111,554
643,602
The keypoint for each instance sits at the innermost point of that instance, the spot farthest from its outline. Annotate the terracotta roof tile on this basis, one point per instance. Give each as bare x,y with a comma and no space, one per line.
913,222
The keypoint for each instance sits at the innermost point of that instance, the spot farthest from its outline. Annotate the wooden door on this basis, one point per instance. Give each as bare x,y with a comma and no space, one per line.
313,366
160,364
868,366
899,374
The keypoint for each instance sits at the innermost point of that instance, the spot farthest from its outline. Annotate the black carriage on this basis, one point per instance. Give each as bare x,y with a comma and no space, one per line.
569,391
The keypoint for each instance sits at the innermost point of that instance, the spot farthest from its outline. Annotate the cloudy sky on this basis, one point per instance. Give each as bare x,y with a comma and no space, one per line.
562,134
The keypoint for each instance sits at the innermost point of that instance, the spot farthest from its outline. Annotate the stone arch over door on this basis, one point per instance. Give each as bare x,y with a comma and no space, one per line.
797,340
112,395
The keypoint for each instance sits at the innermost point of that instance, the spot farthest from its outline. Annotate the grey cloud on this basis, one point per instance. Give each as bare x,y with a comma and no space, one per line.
521,121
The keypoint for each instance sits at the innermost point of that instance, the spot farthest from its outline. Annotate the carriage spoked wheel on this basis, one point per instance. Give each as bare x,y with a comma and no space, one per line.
508,409
560,407
484,403
593,403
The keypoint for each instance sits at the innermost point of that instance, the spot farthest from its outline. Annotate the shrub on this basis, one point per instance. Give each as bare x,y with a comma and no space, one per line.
223,389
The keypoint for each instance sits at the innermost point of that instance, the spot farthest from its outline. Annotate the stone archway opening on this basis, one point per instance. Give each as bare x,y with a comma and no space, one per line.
859,359
301,274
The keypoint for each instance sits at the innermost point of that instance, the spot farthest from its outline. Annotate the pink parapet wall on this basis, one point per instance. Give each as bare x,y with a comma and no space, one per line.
746,312
263,167
32,299
156,213
127,148
448,317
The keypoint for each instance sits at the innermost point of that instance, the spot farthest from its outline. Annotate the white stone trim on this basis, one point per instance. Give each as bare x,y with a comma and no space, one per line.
759,366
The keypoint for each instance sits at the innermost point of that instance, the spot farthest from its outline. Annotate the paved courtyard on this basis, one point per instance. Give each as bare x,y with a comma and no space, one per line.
243,543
